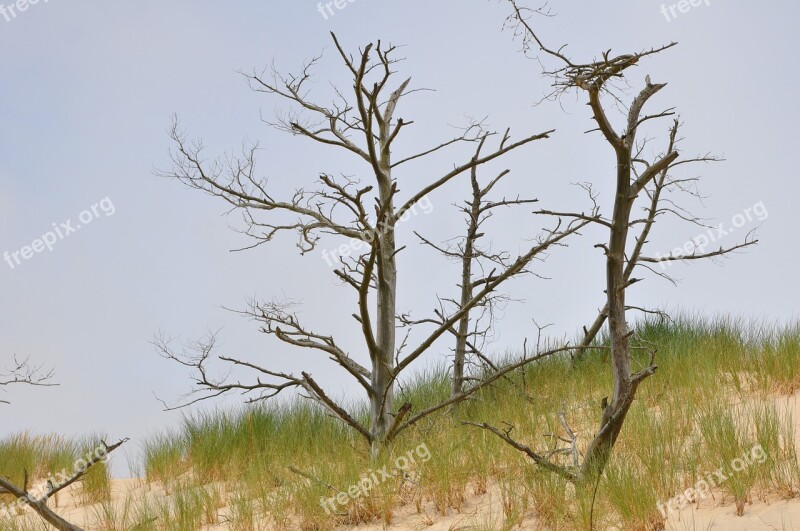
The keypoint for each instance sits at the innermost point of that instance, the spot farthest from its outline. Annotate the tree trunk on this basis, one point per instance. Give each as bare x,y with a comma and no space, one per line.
382,400
383,371
462,336
39,506
614,413
52,518
589,334
460,353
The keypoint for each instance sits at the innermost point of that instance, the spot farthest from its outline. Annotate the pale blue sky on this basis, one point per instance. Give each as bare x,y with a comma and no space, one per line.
87,92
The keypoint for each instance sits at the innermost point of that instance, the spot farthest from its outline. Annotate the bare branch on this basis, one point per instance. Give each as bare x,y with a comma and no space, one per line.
22,372
39,504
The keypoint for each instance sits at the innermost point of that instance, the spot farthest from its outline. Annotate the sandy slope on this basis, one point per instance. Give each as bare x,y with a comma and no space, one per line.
486,512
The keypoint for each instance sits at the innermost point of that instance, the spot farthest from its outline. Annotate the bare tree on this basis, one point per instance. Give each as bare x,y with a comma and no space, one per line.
23,372
635,176
362,122
479,265
39,502
660,205
471,333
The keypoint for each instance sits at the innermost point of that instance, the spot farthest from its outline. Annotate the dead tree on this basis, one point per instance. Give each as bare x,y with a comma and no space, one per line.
659,205
479,265
635,176
23,372
470,335
38,503
362,122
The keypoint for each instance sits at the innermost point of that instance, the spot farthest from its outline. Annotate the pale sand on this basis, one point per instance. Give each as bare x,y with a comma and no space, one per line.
486,511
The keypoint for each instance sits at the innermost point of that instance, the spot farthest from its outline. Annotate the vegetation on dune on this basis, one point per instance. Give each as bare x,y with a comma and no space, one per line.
269,466
37,462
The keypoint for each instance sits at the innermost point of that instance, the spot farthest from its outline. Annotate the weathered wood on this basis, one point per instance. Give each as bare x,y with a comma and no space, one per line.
39,504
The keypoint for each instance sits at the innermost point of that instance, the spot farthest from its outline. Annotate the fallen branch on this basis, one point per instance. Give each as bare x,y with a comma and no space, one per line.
39,505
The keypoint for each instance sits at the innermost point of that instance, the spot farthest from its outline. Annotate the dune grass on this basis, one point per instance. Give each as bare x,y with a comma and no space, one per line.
710,403
33,460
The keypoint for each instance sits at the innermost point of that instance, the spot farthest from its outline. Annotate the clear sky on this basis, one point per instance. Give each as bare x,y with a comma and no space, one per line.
87,91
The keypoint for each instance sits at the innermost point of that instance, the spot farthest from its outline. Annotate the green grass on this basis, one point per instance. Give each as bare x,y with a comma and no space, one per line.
682,425
710,403
35,457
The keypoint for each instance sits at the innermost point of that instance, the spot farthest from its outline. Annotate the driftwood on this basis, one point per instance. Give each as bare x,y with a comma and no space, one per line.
39,504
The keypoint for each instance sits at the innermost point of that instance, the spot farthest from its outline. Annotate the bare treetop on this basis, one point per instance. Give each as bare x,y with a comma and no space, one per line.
23,372
569,73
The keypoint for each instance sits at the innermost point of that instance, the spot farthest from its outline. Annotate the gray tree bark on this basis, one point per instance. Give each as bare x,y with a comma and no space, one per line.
361,122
